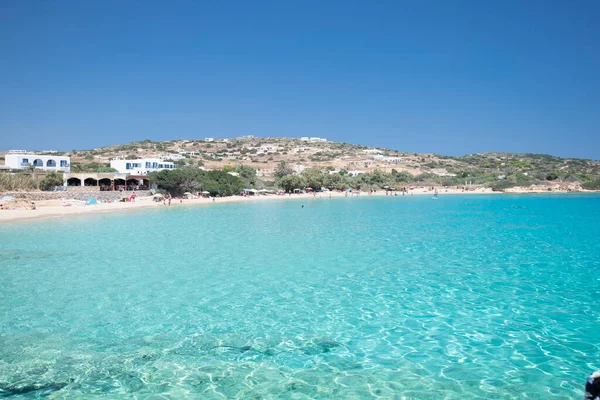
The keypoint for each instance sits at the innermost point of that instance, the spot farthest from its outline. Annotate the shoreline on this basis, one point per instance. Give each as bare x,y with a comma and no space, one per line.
50,208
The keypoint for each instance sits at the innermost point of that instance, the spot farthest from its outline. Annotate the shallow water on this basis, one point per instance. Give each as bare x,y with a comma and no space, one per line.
398,297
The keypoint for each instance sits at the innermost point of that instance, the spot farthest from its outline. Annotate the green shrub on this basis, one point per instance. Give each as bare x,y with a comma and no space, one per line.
592,185
51,180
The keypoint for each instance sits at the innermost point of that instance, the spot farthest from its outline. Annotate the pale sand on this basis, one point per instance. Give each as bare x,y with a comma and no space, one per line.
55,209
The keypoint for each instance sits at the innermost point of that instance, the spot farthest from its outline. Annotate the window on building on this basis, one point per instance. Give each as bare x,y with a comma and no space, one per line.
128,166
25,161
148,164
63,163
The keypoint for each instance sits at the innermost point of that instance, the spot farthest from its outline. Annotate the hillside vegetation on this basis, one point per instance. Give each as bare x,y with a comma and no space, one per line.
287,163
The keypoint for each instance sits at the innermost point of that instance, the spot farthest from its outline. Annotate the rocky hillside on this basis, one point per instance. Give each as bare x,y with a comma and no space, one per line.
501,170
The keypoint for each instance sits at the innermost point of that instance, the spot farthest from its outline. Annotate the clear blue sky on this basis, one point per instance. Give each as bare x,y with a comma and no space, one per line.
451,77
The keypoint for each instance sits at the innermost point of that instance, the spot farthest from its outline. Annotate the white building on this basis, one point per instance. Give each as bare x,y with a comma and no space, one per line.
268,147
372,151
391,160
302,148
141,166
209,139
355,173
46,163
170,156
189,153
17,152
312,139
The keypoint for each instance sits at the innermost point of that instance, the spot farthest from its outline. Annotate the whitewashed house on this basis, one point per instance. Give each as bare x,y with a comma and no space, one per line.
313,139
46,163
372,151
268,147
140,166
170,156
355,173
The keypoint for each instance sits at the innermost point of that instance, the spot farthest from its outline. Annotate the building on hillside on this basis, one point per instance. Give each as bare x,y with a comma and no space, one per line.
170,156
355,173
189,153
209,139
362,163
313,139
246,137
17,152
268,147
302,148
391,160
372,151
141,166
46,163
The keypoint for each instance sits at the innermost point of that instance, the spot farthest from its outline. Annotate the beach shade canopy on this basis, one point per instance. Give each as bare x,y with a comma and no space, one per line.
91,201
7,198
308,188
205,192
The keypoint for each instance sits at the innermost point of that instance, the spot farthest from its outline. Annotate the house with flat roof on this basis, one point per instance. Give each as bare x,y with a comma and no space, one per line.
46,162
141,166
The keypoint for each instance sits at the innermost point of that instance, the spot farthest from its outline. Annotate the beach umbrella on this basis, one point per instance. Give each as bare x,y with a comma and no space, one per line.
205,192
7,198
91,201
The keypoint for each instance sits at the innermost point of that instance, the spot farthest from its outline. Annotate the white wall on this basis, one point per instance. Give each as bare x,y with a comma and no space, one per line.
46,163
141,166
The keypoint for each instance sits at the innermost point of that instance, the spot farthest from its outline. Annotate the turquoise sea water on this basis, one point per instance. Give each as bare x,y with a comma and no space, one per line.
491,297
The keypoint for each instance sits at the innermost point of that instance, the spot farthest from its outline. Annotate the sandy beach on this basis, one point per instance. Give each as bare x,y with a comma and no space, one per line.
56,209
